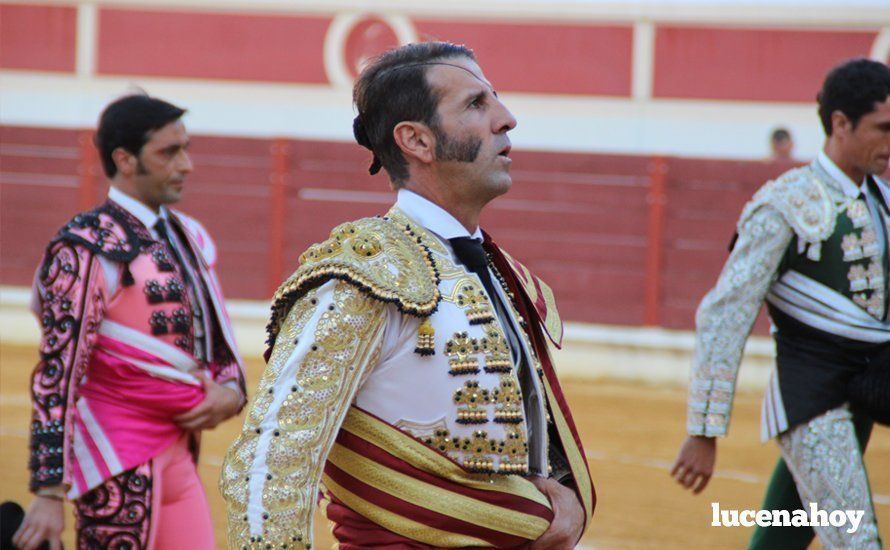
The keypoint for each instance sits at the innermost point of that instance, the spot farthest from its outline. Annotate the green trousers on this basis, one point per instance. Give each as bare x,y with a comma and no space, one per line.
781,494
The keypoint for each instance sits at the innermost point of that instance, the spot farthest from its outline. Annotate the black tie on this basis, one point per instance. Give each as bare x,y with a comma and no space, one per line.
469,252
161,227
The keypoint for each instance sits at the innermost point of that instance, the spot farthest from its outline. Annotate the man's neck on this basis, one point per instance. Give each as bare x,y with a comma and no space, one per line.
834,152
128,191
466,214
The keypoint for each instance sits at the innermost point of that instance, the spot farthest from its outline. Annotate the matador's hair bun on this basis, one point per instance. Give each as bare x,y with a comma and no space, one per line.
361,136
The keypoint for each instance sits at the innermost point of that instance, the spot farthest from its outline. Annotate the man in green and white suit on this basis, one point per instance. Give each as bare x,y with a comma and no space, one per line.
814,245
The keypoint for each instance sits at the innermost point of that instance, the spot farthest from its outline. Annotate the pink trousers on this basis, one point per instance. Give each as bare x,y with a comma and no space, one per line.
160,505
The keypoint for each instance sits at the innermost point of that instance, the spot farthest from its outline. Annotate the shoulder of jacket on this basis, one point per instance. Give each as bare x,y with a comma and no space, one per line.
803,201
387,260
106,230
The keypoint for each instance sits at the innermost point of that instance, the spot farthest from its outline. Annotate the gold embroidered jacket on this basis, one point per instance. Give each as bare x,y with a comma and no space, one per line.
364,310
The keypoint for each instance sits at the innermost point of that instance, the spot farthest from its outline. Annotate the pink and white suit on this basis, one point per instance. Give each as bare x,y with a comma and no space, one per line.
131,312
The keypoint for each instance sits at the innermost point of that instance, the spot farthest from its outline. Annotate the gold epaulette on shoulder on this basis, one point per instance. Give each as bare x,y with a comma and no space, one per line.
383,258
803,201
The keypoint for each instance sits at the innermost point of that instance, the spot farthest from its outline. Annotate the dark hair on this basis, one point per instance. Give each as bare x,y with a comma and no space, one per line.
853,88
780,134
393,88
128,123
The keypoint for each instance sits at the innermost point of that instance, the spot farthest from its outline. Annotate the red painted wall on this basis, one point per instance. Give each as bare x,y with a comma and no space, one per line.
691,62
40,38
580,221
545,58
749,64
212,45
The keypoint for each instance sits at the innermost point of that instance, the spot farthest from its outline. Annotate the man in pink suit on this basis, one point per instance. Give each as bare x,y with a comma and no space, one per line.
137,355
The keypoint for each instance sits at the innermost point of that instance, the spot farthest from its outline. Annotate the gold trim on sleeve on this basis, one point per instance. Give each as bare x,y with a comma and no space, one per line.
297,431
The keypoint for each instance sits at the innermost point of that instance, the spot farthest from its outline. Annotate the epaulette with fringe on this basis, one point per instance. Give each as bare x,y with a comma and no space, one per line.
805,203
384,257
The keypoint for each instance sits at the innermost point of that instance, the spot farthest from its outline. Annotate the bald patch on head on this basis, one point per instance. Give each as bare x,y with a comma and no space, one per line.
430,63
481,80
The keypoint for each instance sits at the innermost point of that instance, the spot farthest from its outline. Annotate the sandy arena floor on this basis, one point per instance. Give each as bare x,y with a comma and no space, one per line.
631,433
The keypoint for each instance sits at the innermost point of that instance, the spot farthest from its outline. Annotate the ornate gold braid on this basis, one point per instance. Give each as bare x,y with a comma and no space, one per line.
346,340
386,258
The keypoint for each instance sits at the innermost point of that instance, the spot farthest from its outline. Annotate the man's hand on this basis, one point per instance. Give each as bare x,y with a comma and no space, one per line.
220,403
568,516
695,463
44,521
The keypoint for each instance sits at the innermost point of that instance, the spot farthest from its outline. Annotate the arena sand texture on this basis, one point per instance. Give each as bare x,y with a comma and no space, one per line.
631,433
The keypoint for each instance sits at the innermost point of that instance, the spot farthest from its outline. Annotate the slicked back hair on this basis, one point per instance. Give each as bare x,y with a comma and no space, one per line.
128,123
853,88
393,88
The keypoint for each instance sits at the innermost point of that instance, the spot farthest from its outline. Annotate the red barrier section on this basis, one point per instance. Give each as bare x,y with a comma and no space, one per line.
89,170
627,240
585,59
749,64
212,45
657,200
230,192
39,191
281,161
705,200
40,38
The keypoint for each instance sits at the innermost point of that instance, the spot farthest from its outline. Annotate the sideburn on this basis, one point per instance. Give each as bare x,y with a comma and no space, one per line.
140,168
457,150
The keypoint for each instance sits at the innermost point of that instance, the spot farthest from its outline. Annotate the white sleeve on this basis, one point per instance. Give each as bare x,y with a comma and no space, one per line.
726,316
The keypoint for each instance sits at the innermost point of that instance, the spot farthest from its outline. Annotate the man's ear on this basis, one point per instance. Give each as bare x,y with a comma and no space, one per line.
125,161
416,140
840,124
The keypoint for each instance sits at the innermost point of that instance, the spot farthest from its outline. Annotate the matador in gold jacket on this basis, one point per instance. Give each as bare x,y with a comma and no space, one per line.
409,386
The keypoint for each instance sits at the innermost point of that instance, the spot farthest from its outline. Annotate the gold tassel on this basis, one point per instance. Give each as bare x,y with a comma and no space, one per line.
426,343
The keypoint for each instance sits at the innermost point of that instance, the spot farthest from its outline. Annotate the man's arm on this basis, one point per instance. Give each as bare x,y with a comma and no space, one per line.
69,289
219,404
723,322
271,475
727,314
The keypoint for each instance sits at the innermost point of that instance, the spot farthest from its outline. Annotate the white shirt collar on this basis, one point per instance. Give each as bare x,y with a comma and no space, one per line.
847,185
432,216
142,212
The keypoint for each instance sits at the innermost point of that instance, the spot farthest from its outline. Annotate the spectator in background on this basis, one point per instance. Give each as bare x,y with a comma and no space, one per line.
781,145
137,355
